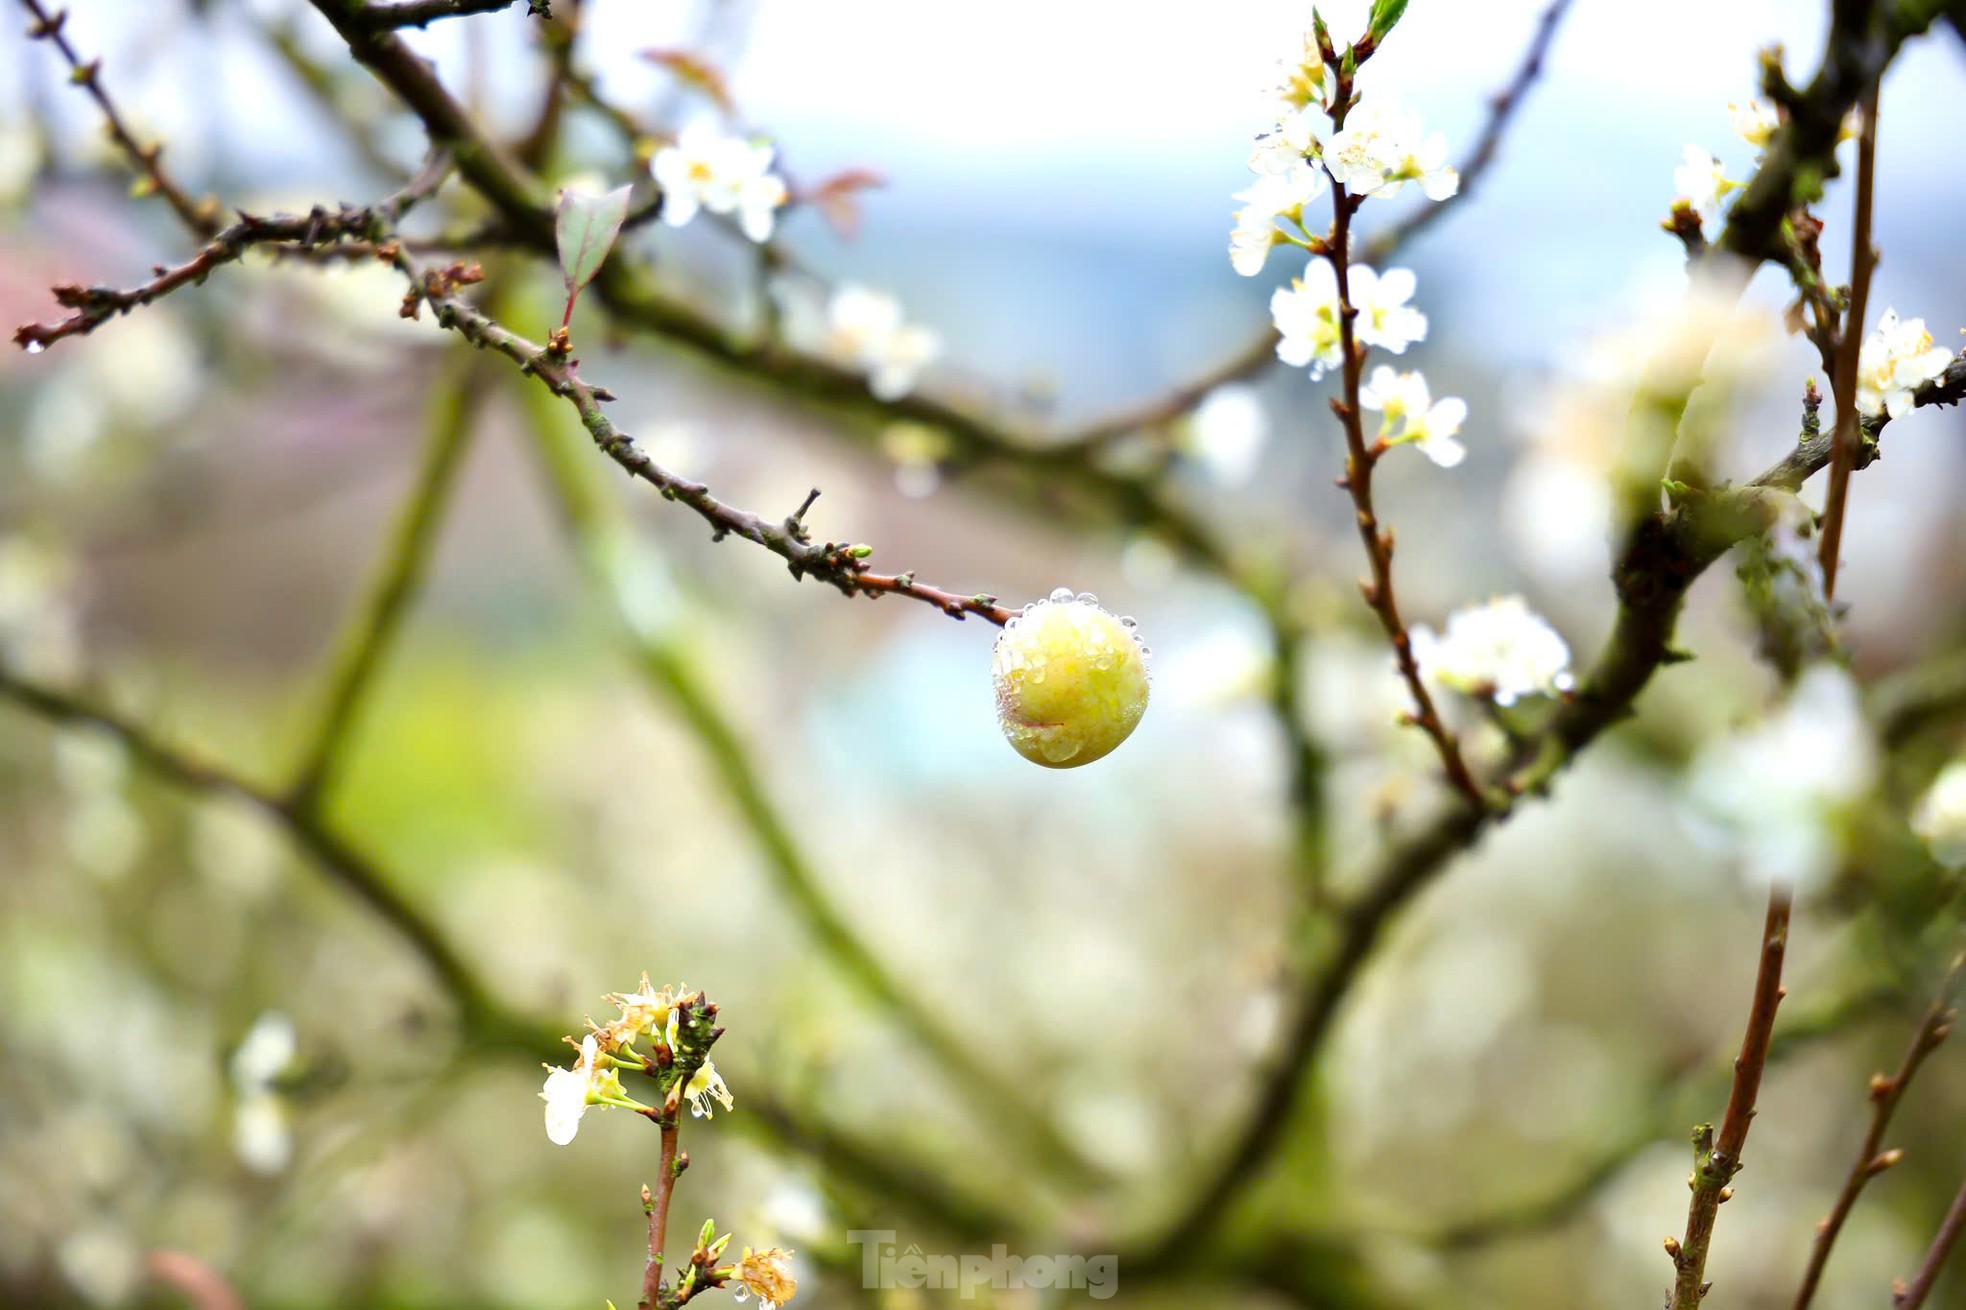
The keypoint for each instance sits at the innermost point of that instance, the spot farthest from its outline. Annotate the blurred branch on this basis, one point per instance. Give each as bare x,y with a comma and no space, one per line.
203,1286
1912,1296
602,544
1659,1120
335,856
1502,108
384,15
1718,1158
397,577
1886,1093
201,216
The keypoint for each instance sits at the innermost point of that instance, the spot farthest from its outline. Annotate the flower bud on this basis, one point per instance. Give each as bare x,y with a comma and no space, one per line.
1071,681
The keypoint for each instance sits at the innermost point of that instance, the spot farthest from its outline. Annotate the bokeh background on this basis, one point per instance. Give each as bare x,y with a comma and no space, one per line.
190,500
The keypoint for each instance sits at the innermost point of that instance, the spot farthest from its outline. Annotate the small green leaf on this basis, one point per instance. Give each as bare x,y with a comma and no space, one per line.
586,229
1384,14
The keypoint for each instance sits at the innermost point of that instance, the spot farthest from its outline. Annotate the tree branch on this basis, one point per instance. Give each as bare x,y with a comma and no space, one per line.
1718,1158
1886,1093
387,15
1911,1296
1849,348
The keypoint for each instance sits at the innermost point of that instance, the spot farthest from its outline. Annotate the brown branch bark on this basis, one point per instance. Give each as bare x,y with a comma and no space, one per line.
1886,1093
1910,1296
658,1209
1717,1158
1849,350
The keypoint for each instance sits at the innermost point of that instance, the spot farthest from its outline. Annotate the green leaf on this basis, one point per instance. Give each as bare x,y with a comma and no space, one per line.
1384,14
586,229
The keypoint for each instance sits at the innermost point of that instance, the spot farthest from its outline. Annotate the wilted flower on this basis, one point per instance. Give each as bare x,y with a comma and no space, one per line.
1940,816
1897,358
766,1274
1501,649
708,169
1413,416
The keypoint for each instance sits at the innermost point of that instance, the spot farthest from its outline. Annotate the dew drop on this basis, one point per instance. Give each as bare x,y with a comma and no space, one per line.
1128,621
1058,749
36,347
1088,598
1061,595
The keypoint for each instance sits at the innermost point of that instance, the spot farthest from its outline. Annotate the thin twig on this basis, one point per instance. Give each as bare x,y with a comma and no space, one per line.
320,228
201,216
838,564
1849,347
658,1207
1717,1158
1361,459
1910,1296
1886,1093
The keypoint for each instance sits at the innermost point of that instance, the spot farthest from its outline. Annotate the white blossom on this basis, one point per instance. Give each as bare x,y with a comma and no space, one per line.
1380,150
1754,122
1291,144
708,169
1413,416
1701,182
1939,817
1306,81
1897,358
1270,197
1779,786
1228,430
866,330
568,1092
1306,318
1501,649
1384,318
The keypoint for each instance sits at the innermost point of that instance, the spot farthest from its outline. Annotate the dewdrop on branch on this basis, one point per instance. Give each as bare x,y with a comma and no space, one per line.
1071,680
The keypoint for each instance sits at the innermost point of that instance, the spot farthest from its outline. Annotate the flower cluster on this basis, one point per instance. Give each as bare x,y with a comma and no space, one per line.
1324,141
1501,650
1897,358
677,1026
709,169
1701,184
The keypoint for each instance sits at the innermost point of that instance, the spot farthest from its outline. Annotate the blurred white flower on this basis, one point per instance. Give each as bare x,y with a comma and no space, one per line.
1413,416
1384,318
1227,431
1897,358
90,760
1271,196
1306,318
1501,649
1754,122
101,1263
865,329
262,1135
1940,816
1557,512
20,159
1701,182
708,169
103,834
1779,787
794,1210
38,623
1381,149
